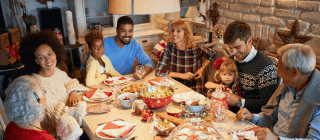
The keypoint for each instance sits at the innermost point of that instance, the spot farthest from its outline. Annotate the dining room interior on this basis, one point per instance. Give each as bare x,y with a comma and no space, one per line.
274,23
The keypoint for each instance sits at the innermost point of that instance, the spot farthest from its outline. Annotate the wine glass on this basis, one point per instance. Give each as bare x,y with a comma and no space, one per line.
152,126
140,71
115,89
220,111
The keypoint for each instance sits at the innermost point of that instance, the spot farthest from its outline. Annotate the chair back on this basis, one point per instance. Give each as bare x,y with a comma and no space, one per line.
3,120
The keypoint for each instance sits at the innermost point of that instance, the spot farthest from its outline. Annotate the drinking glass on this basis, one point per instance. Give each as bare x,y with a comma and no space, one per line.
115,89
140,72
164,79
220,111
152,126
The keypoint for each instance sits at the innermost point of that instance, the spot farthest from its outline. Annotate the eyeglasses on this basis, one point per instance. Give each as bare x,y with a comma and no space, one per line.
37,97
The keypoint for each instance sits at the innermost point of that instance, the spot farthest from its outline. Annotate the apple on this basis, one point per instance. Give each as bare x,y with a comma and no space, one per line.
146,114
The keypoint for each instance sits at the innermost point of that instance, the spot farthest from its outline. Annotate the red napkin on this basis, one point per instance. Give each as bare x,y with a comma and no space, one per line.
109,82
107,93
111,125
152,81
122,78
89,94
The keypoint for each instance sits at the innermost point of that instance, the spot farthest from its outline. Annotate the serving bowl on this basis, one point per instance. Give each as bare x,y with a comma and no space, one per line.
194,108
127,103
155,103
175,111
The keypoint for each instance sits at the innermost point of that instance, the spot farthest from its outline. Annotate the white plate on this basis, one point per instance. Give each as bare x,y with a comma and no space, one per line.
122,82
89,100
182,97
171,83
117,123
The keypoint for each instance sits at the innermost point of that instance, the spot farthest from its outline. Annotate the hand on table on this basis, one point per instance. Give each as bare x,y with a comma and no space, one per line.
100,108
231,98
72,99
265,134
244,114
187,76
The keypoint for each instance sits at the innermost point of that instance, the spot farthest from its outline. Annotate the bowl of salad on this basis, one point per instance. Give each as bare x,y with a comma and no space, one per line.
156,96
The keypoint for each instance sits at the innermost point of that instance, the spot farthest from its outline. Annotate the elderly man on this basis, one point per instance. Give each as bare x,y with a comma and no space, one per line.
122,49
257,72
293,111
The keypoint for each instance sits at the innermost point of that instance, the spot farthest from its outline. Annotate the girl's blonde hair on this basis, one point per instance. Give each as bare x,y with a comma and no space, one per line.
188,34
228,65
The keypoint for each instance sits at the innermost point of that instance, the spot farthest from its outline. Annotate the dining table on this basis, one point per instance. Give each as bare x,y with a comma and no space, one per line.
140,132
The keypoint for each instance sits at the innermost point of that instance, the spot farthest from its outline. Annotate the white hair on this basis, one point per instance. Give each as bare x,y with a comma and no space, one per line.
299,56
21,103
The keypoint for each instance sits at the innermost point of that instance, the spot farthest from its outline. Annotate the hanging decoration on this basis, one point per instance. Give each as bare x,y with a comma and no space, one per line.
292,36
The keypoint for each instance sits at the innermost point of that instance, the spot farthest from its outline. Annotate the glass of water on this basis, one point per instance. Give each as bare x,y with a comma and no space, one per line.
140,72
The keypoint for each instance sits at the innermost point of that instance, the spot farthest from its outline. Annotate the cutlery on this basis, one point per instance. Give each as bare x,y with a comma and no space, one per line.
109,102
110,121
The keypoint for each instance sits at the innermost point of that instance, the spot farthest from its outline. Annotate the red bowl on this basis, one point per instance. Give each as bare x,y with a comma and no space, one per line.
173,113
155,103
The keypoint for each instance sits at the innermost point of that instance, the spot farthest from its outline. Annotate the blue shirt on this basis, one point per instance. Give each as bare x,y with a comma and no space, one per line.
286,110
122,59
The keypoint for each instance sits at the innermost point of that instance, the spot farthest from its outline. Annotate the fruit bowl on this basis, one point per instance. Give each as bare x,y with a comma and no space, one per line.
156,102
127,99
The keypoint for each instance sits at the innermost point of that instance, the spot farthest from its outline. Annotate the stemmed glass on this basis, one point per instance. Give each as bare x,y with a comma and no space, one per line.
152,126
140,71
220,111
115,89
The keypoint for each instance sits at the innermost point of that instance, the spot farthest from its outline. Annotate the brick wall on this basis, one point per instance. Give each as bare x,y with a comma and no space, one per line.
266,17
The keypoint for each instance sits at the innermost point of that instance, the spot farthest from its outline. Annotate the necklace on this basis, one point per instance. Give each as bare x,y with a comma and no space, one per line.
36,127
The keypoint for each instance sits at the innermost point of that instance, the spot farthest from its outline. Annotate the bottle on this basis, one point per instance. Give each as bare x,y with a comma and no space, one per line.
59,35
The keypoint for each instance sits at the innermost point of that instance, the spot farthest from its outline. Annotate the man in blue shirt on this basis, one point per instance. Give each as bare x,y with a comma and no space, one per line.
122,49
293,111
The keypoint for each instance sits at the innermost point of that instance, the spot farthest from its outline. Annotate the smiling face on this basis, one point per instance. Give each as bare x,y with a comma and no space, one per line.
241,49
177,36
125,33
226,77
97,48
45,57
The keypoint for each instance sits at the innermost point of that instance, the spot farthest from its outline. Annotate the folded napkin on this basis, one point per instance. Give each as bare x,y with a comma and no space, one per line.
97,94
111,130
155,81
111,81
247,134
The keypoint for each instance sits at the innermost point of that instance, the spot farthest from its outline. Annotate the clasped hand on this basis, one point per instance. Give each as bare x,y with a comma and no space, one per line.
190,75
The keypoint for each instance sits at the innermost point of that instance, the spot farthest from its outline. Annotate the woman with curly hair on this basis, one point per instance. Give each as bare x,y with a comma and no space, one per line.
41,52
182,54
25,106
99,66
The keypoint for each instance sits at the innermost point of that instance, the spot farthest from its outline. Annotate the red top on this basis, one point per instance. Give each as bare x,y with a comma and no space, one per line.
13,132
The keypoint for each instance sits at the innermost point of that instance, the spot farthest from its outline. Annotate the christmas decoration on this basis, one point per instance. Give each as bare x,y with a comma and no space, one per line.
292,36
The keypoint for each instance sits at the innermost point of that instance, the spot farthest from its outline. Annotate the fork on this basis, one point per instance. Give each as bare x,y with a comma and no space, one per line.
110,121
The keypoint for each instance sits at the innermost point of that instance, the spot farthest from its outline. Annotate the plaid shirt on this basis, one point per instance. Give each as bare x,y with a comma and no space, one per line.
235,87
183,62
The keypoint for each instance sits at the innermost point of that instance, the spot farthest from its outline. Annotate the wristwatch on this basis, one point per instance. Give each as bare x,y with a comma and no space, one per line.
239,103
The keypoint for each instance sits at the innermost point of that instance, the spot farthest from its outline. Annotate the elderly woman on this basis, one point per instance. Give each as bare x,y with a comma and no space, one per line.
25,106
41,52
182,54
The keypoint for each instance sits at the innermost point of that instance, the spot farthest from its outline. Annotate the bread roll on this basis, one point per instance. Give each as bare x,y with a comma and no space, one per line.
172,119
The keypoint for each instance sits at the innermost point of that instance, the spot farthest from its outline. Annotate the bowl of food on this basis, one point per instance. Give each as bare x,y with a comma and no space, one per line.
164,126
127,99
156,96
175,111
134,88
195,105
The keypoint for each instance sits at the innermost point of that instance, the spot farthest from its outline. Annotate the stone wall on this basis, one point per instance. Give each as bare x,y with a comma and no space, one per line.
266,17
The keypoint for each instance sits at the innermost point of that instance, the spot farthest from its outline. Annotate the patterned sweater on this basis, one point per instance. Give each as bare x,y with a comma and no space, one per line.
258,79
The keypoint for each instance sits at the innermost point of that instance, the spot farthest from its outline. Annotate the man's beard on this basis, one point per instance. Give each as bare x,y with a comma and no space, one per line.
125,43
